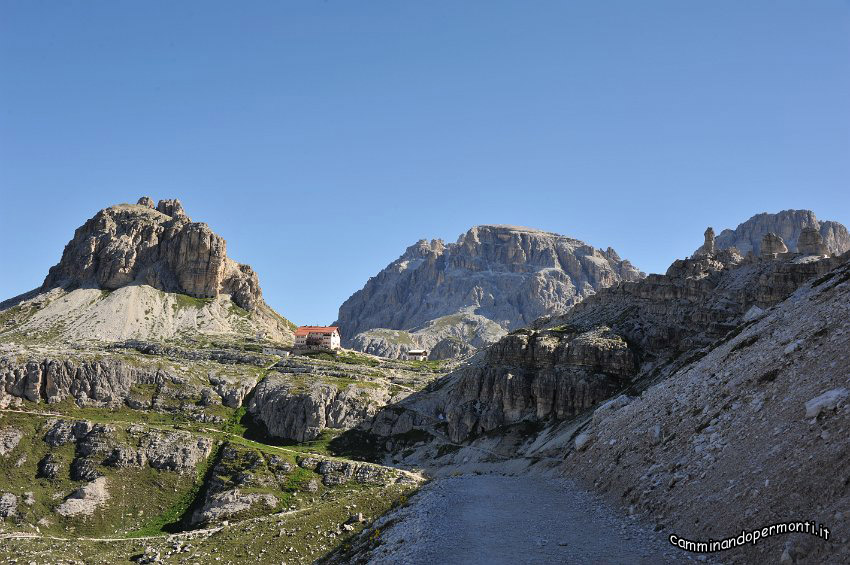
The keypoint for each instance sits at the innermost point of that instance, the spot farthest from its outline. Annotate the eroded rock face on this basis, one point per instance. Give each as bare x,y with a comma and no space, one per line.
340,472
772,245
508,276
811,242
563,365
701,431
160,247
788,225
526,376
300,413
106,380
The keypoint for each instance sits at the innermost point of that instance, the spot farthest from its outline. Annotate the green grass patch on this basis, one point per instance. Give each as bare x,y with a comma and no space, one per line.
185,301
170,520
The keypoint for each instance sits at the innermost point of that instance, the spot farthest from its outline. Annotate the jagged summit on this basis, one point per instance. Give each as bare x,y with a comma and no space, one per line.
125,269
161,247
453,297
788,225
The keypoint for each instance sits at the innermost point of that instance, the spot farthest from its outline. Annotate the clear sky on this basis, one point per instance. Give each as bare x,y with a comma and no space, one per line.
322,138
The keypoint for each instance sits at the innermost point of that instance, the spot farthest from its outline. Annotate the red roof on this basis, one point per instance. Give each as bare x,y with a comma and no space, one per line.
305,330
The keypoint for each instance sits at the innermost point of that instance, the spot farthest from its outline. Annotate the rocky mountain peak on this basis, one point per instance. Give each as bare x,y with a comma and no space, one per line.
493,279
139,271
160,247
787,225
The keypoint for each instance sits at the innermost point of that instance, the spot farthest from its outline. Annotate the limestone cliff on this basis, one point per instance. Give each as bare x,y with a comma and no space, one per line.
789,225
459,296
160,247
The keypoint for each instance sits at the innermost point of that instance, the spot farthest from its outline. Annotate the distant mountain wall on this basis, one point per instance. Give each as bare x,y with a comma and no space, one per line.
788,225
458,296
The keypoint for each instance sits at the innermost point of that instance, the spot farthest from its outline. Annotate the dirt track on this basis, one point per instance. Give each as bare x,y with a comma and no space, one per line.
486,519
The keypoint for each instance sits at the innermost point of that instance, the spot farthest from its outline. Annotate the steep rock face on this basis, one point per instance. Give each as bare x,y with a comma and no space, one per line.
125,275
505,274
106,381
301,413
754,431
566,364
524,377
160,247
52,380
788,225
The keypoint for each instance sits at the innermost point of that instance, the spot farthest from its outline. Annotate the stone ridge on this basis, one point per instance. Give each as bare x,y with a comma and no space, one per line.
789,225
508,275
161,247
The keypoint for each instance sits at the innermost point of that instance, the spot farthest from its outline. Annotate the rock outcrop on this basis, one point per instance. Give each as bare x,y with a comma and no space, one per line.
163,248
85,500
8,505
772,245
788,225
235,471
492,280
708,247
811,242
106,381
179,452
301,410
340,472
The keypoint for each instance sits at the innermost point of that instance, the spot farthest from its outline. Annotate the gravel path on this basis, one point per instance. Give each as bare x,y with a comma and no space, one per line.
489,519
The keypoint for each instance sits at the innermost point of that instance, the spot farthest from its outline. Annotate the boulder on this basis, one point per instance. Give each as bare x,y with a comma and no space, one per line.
85,500
826,401
8,505
9,439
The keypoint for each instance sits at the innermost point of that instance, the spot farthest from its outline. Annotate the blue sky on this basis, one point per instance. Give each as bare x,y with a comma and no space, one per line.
322,138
